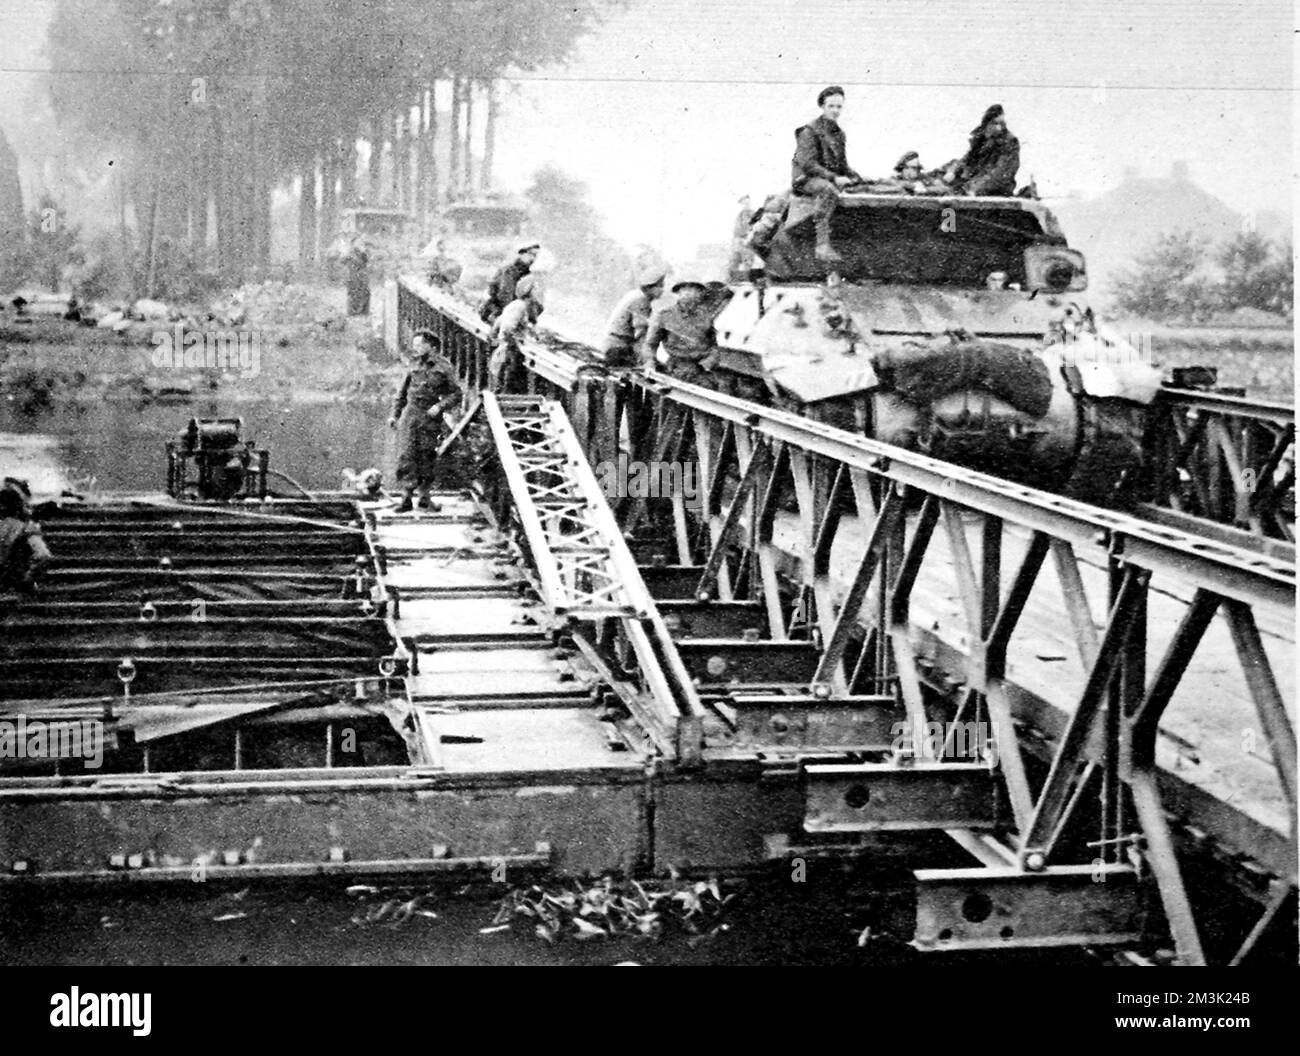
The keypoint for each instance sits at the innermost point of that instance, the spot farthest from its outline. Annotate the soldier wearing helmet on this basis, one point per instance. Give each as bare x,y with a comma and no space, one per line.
680,337
626,329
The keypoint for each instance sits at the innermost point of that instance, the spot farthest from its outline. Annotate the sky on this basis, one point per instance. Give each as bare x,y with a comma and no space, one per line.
675,108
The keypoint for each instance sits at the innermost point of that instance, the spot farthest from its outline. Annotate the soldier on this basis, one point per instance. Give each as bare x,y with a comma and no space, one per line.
738,264
626,329
820,169
506,364
684,329
501,290
428,392
768,222
444,271
357,260
24,556
991,163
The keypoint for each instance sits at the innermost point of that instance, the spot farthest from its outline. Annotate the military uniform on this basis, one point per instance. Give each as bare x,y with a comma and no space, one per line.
990,166
687,337
444,271
820,155
358,264
23,553
501,290
419,435
506,363
991,163
626,329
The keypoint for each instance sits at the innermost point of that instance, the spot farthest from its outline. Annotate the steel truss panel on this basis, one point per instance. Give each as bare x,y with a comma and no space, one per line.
783,494
584,567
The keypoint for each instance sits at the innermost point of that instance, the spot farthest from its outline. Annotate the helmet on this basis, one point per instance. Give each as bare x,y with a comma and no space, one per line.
690,280
651,275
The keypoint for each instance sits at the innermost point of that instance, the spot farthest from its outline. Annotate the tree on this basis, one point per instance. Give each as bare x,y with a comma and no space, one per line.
55,245
1256,274
13,234
212,102
589,262
1168,280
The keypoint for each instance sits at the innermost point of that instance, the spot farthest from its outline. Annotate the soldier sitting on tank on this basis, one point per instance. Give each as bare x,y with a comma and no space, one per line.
501,290
625,332
428,392
991,163
680,336
820,169
506,367
768,222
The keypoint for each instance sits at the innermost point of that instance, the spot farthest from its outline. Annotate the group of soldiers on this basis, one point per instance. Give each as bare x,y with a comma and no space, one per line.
820,171
677,336
430,392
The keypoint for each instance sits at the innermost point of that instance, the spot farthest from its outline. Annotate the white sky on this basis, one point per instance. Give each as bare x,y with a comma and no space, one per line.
676,107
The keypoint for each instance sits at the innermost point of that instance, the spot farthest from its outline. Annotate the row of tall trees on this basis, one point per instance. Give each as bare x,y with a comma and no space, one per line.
1183,278
203,106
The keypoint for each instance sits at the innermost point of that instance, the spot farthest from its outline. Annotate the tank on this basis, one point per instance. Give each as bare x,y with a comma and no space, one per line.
956,326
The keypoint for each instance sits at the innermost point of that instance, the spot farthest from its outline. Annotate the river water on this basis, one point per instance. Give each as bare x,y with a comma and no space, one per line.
121,444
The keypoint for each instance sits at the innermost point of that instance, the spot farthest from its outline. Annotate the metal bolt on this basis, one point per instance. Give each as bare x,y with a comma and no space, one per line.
1035,862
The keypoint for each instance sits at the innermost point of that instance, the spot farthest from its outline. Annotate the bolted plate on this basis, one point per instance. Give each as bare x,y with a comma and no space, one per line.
996,908
881,797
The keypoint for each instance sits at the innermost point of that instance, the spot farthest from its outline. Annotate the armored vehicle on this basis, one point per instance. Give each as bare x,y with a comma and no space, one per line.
951,325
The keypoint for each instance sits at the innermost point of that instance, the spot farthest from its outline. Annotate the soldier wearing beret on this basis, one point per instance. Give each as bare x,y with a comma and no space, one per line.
429,391
991,163
820,169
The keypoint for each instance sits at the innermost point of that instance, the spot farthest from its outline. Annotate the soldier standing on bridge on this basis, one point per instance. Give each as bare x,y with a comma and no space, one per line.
428,392
444,271
506,365
501,290
23,553
626,329
820,169
680,336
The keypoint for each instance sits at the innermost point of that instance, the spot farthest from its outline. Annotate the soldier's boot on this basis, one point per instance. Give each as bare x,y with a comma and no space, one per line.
825,252
406,505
